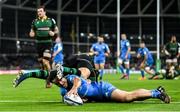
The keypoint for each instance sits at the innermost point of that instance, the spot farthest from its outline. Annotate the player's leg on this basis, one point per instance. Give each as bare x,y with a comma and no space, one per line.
101,70
127,66
85,72
40,74
40,51
140,94
122,69
120,62
141,67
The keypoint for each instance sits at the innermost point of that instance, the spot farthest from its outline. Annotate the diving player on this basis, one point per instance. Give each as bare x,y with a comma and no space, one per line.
124,56
101,51
103,91
147,60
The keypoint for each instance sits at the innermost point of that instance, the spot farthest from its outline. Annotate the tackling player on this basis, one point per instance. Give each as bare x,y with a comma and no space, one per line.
43,29
147,60
101,51
124,56
78,65
103,91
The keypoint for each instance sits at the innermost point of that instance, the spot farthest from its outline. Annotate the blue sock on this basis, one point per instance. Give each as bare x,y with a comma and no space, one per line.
142,73
155,93
127,71
122,69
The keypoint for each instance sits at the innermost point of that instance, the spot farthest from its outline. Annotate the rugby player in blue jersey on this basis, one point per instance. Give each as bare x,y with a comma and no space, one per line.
124,56
147,60
102,91
101,51
57,52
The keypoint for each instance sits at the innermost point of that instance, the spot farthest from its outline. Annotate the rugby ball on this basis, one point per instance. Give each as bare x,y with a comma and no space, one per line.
73,100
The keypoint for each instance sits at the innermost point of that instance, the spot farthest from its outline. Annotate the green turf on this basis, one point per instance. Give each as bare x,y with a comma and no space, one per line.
32,95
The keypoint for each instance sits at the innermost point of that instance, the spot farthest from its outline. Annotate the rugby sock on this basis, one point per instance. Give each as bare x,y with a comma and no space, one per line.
67,70
41,74
101,73
142,73
122,69
127,71
155,93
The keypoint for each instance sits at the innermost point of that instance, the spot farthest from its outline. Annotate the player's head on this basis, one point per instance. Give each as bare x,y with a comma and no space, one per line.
100,39
173,38
142,44
58,40
123,36
41,12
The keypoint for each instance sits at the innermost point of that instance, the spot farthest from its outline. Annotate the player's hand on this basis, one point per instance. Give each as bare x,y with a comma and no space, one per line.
48,85
32,34
106,54
138,56
51,33
72,91
96,53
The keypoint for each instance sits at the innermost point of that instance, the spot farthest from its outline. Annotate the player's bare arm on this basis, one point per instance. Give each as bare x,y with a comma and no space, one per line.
76,85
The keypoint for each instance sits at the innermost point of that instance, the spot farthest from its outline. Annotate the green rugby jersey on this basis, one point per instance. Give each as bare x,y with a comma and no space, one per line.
42,27
172,48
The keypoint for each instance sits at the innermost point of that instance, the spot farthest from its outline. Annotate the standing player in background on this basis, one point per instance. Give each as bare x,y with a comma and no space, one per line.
101,51
146,59
124,56
43,29
57,53
172,51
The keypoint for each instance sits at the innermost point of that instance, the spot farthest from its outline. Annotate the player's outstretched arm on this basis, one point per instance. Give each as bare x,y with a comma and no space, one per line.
76,85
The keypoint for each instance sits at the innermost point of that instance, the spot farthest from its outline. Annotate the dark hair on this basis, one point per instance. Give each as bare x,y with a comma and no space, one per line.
142,42
42,7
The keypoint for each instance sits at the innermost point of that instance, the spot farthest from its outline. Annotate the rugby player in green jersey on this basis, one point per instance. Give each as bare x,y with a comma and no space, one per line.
43,29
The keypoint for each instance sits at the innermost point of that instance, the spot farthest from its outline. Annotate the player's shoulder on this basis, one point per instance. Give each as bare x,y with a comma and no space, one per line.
52,19
105,44
146,49
95,44
34,20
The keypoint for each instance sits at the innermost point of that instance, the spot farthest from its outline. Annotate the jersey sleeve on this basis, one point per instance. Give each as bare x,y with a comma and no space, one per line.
92,47
59,46
53,23
139,51
145,52
127,44
107,48
70,78
63,91
33,24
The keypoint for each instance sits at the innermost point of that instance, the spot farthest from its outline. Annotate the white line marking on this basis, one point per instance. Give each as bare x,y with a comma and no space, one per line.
51,101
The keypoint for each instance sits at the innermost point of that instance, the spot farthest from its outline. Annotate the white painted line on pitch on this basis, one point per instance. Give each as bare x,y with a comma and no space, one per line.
51,101
27,101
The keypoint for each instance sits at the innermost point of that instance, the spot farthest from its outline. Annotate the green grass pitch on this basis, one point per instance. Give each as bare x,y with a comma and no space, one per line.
31,95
